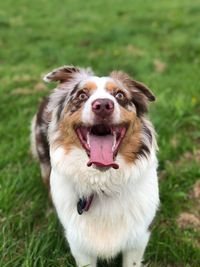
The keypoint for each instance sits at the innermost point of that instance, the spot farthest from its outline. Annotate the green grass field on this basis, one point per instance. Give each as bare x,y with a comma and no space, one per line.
158,43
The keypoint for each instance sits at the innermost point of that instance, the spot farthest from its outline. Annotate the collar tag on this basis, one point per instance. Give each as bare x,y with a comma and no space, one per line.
83,204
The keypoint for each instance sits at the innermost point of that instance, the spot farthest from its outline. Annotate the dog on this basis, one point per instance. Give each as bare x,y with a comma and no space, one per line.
97,153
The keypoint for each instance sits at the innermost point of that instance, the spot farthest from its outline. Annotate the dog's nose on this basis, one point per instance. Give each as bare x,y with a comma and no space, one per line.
103,107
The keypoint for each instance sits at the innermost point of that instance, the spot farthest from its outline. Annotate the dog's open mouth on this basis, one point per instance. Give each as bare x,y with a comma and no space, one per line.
101,143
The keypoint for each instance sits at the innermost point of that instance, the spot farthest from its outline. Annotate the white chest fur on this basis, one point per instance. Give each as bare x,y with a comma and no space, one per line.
124,204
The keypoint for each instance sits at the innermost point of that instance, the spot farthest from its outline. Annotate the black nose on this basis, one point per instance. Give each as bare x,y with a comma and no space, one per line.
103,107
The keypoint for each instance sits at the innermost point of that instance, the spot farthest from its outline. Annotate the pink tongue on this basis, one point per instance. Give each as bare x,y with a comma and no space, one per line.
101,153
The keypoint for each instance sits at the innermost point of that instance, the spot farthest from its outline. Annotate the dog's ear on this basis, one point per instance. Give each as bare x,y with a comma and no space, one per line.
142,88
140,93
62,74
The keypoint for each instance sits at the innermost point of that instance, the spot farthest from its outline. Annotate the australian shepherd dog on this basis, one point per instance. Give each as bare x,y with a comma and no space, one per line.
97,153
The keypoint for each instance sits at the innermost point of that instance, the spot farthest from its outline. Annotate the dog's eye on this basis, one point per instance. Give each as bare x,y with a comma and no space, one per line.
120,96
83,96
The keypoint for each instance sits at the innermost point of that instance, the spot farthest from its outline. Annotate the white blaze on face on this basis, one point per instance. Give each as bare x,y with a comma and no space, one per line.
88,117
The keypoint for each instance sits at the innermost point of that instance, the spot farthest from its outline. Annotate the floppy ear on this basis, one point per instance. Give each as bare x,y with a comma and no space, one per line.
140,93
144,89
61,74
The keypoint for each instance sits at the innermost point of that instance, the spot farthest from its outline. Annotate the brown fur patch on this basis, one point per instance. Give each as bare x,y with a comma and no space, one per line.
90,86
68,138
111,87
132,141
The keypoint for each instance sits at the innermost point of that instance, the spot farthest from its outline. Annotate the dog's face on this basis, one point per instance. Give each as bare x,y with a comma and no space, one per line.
102,115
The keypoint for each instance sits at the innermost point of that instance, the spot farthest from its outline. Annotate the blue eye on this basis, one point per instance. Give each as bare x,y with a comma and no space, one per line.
120,96
83,96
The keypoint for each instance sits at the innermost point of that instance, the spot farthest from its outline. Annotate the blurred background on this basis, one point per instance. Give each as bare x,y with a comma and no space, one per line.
156,42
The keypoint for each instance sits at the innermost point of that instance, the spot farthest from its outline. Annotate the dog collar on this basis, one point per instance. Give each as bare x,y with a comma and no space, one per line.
84,204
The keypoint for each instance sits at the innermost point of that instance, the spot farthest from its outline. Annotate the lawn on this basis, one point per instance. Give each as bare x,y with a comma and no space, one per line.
158,43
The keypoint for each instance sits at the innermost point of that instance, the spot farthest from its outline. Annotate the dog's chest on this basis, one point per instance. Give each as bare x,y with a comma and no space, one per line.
111,222
115,218
106,228
104,236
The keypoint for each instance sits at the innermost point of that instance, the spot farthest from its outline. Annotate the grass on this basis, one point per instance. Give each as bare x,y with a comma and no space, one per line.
157,42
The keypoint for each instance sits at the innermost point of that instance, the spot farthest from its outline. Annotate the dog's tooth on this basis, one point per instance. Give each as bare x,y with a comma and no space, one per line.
88,139
115,140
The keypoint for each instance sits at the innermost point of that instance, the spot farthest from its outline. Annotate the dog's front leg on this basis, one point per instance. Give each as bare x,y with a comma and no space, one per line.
133,257
83,260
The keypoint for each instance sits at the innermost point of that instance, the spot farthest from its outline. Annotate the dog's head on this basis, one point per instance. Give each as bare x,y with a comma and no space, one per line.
103,115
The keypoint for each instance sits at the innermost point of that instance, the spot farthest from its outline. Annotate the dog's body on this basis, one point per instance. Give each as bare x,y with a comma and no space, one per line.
105,205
